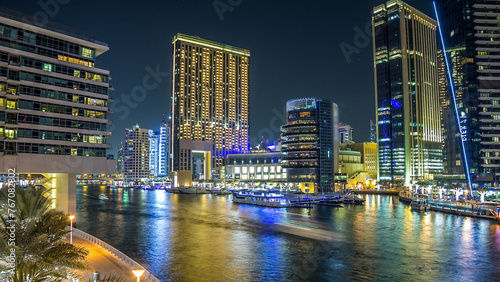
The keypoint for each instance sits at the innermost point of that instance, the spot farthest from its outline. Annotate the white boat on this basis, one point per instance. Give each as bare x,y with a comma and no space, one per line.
192,190
103,197
271,198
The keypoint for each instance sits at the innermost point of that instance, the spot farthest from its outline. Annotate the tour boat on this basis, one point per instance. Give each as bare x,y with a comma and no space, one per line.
103,197
350,199
266,198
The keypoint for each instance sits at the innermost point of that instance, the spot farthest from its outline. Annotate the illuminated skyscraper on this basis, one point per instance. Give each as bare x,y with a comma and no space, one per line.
136,154
210,100
471,36
310,142
373,132
407,93
153,152
164,149
119,159
345,131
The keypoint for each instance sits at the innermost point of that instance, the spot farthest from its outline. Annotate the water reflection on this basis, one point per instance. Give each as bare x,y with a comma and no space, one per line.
207,237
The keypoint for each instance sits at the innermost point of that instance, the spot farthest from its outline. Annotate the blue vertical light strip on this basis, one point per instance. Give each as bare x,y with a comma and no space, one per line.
452,87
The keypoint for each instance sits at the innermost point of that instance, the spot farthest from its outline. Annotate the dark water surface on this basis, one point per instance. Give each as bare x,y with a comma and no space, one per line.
208,238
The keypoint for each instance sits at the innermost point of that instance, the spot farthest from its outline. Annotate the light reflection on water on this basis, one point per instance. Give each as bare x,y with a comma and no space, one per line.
207,237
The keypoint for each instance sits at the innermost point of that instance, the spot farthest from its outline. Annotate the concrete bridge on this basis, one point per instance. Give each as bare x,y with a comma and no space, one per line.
59,173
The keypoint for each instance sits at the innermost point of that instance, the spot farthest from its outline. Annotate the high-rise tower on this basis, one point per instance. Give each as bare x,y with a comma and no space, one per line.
471,36
53,104
407,93
210,100
310,142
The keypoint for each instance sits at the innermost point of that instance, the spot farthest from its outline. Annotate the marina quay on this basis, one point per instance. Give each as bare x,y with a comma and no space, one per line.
250,140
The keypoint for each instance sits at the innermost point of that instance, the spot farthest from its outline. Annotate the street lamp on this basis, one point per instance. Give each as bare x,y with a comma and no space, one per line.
138,273
71,229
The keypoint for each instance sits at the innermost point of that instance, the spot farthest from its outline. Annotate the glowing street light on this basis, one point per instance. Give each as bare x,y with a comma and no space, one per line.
71,229
138,273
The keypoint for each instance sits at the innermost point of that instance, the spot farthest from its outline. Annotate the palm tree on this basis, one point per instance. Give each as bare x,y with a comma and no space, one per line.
41,253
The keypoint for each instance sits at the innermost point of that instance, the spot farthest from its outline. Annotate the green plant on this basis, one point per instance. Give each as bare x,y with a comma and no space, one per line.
41,251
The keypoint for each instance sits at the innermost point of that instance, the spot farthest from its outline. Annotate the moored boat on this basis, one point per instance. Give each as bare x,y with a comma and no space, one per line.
417,205
266,198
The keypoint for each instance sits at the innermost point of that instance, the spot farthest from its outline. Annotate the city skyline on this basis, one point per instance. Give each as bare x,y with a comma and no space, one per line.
273,81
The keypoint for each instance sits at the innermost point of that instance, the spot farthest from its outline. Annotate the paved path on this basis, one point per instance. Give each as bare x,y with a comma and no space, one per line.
103,261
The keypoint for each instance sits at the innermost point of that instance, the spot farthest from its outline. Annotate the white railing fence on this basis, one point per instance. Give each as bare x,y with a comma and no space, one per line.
147,276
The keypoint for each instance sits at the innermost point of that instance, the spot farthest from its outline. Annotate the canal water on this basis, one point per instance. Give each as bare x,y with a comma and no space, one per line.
208,238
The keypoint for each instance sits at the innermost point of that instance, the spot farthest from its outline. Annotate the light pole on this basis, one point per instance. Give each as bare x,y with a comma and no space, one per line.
138,273
71,229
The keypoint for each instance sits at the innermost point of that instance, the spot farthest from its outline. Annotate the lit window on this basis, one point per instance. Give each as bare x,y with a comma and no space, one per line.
87,53
48,67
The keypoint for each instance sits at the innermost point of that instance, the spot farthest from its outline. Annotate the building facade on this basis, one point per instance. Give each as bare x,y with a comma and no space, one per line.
119,160
210,99
53,104
255,167
471,36
310,141
407,93
345,131
153,153
136,164
164,149
373,132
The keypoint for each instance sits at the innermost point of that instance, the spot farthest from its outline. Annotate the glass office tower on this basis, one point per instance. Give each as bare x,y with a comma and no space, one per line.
471,36
407,93
310,141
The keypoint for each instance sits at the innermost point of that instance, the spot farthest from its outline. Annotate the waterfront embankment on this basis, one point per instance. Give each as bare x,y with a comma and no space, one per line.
107,260
376,192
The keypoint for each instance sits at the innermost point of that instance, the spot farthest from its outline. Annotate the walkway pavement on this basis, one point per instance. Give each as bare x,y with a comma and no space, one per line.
103,261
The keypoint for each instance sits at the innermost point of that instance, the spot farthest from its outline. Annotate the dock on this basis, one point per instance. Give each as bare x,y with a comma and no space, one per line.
394,192
458,208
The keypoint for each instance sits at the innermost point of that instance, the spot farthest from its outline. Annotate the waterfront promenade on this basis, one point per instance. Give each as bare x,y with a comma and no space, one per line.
107,260
463,208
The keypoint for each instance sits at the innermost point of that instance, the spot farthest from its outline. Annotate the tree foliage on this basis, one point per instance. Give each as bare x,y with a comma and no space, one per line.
39,233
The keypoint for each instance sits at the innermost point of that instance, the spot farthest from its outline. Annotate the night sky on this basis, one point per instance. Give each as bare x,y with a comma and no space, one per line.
295,52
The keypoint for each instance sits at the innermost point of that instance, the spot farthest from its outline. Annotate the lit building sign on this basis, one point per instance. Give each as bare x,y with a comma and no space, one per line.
463,127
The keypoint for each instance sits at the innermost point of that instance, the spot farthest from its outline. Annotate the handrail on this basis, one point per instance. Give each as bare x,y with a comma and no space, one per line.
147,276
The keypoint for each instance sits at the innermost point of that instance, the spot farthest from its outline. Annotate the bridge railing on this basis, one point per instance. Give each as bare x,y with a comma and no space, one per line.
147,276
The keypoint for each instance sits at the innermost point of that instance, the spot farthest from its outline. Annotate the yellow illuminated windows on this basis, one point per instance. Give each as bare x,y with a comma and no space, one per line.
2,102
74,112
87,53
12,90
10,133
11,104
